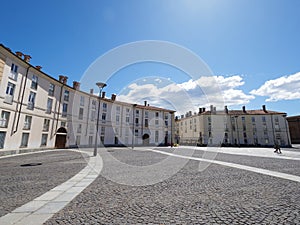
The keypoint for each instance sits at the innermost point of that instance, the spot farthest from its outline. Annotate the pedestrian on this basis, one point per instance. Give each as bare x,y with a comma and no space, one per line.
277,149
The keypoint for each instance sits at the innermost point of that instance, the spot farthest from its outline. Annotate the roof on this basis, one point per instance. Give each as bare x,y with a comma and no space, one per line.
237,113
105,99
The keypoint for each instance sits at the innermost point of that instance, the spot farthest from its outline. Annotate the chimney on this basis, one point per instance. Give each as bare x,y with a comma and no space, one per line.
103,94
91,91
27,58
264,108
211,108
200,110
38,67
226,109
76,85
145,103
113,97
203,109
19,54
176,118
63,79
244,109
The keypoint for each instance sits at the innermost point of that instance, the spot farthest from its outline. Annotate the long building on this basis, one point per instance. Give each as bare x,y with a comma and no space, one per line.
233,128
39,111
294,127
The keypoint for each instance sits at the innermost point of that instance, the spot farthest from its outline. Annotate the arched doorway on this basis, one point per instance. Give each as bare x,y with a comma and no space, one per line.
61,138
146,139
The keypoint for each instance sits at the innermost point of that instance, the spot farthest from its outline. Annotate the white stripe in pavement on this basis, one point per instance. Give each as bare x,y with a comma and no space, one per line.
238,166
45,206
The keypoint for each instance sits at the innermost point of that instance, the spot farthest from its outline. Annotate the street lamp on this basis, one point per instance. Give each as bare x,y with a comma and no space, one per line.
100,86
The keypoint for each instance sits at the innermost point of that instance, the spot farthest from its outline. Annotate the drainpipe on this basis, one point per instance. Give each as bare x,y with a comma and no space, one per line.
59,105
21,102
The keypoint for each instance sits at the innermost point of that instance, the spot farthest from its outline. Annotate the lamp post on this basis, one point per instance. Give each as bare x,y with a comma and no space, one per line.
101,86
133,121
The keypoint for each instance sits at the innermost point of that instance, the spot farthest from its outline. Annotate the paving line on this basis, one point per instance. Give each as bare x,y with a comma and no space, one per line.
238,166
45,206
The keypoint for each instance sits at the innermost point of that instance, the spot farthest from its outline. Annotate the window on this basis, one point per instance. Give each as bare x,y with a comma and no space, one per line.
136,121
146,123
31,100
51,89
93,115
253,119
146,114
103,117
127,110
137,112
4,119
263,119
24,141
118,109
127,119
34,82
27,122
64,110
44,139
157,114
92,129
166,123
156,136
80,113
2,138
156,122
10,89
46,125
166,116
102,131
49,105
77,141
104,106
13,72
82,100
117,119
93,104
63,124
90,140
136,132
66,95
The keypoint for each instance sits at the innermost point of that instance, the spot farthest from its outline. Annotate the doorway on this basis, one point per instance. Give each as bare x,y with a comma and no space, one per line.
146,139
61,138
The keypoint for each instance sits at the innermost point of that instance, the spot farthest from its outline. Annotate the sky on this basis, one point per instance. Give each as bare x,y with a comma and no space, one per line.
242,52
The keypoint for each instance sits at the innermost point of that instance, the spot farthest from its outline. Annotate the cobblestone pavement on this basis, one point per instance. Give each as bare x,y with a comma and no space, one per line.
21,184
217,195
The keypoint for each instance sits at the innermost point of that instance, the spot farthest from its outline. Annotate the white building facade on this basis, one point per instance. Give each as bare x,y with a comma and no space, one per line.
38,111
233,128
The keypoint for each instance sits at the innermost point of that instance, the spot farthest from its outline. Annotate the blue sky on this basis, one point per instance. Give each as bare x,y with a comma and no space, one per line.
251,46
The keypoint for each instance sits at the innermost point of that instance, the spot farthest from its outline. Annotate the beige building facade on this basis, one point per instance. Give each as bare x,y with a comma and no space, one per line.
233,128
39,111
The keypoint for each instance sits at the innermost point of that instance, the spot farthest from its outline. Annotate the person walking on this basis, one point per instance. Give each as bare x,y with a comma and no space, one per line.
277,149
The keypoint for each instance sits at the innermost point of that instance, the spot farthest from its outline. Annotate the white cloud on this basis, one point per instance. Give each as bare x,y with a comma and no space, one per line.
282,88
189,95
